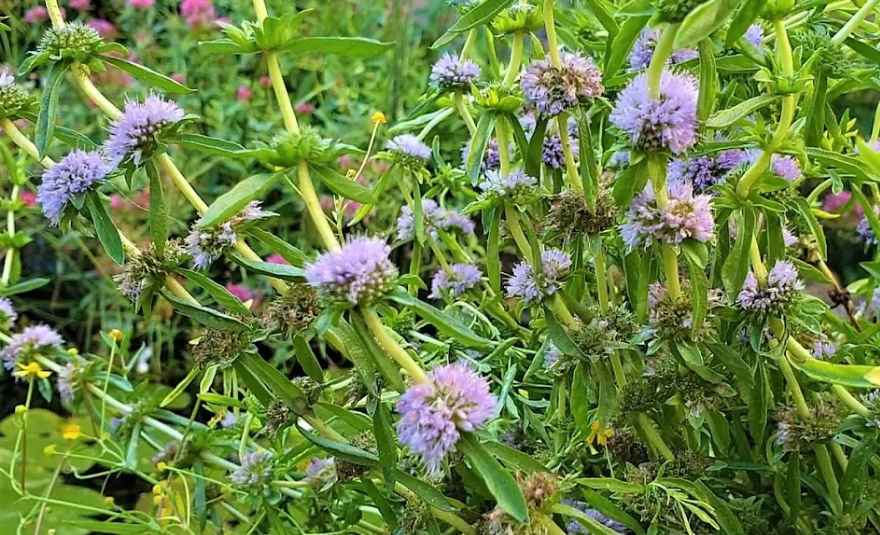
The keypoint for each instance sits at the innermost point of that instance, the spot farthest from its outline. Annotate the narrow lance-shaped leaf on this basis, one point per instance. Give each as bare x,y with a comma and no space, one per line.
234,200
48,104
148,76
474,17
499,481
106,231
158,217
352,47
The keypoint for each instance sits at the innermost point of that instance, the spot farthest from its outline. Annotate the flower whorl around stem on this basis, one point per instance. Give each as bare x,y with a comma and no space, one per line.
135,135
686,216
433,414
555,265
508,185
15,101
357,273
255,469
8,315
668,123
455,281
409,150
643,51
205,245
32,339
553,90
435,218
78,173
703,172
783,286
453,74
75,41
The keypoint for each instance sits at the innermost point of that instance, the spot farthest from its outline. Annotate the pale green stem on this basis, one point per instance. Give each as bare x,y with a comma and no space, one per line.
461,108
657,170
502,135
853,22
9,261
516,55
391,347
468,44
571,168
653,437
552,39
662,52
557,305
516,232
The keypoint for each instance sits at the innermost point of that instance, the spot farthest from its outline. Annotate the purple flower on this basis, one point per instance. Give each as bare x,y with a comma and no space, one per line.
452,73
789,238
491,157
865,231
357,273
782,287
65,383
755,36
555,265
823,347
410,149
785,167
76,174
552,91
551,355
435,218
686,216
208,244
255,469
31,339
433,414
701,172
455,281
135,134
8,315
321,473
643,51
654,125
507,185
551,151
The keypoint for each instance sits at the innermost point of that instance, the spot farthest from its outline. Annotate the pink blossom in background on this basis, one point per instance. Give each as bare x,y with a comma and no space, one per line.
180,78
265,81
35,15
80,5
141,4
305,108
243,93
105,28
28,198
117,202
346,162
277,259
198,13
349,208
835,201
240,291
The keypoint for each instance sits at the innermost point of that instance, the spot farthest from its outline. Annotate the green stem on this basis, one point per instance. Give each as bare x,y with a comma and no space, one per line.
657,170
552,39
823,462
9,261
601,273
391,347
516,232
502,135
557,305
662,52
853,22
653,437
571,168
516,55
757,263
461,108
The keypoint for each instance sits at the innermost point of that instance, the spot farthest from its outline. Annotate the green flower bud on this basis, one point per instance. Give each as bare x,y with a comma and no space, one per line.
307,145
499,98
14,100
676,10
520,17
776,9
76,42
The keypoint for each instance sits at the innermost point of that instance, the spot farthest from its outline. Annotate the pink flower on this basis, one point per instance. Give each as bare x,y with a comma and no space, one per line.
36,14
244,93
198,13
277,259
141,4
28,198
240,291
80,5
835,201
105,29
180,78
346,162
305,108
117,202
265,81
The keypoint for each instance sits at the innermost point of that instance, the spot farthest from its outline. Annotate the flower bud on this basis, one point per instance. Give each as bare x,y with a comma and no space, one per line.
676,10
776,9
75,41
14,100
520,17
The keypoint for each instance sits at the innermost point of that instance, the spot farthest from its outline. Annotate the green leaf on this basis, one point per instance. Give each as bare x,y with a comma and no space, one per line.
816,118
287,251
603,15
485,127
708,80
815,228
869,52
579,402
158,218
210,145
280,386
341,185
278,271
534,154
856,476
701,22
480,14
760,403
425,491
440,319
307,359
618,49
699,293
609,509
610,484
342,450
48,103
854,375
635,267
217,291
513,457
734,362
204,315
386,441
234,200
492,221
351,47
107,233
24,286
793,485
728,117
736,265
104,526
148,76
746,14
499,481
629,182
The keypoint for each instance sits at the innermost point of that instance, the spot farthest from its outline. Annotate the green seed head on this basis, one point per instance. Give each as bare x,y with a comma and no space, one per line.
76,42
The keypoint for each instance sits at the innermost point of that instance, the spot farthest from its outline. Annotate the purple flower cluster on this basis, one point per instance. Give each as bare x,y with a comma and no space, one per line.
755,36
433,414
409,150
66,382
78,173
205,245
255,469
435,218
357,273
703,172
135,134
785,167
32,339
643,51
452,73
686,216
553,90
532,288
668,123
551,152
491,156
782,287
321,473
864,230
823,347
8,315
455,281
507,185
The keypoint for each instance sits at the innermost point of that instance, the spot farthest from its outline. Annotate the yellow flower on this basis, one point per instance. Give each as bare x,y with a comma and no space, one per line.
31,370
599,434
378,118
117,335
70,431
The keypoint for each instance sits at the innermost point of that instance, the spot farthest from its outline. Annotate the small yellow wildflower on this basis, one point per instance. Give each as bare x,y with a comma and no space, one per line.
31,370
117,335
71,431
599,434
378,118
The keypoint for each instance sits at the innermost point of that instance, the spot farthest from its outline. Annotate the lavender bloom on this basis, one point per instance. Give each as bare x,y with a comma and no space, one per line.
409,149
643,51
8,315
555,265
507,185
864,230
255,469
135,134
321,473
551,356
455,281
785,167
551,151
703,172
755,36
78,173
435,218
357,273
655,125
433,414
6,79
823,347
619,159
65,383
782,287
686,216
451,73
32,339
788,238
491,157
552,91
207,245
574,527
